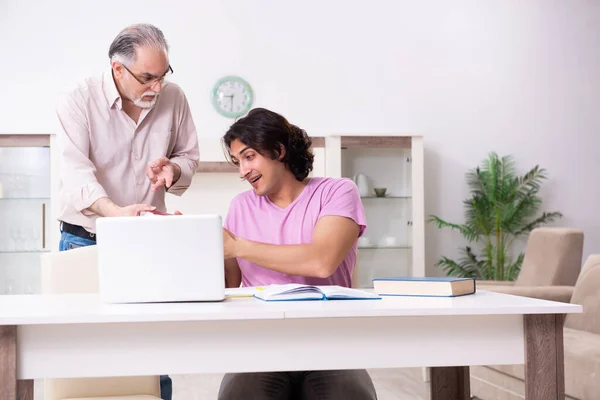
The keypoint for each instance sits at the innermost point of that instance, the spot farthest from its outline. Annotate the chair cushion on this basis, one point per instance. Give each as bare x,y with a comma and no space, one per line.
552,293
73,271
587,294
482,283
582,363
134,397
553,257
99,388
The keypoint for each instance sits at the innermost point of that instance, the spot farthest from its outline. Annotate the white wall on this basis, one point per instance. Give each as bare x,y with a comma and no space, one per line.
471,76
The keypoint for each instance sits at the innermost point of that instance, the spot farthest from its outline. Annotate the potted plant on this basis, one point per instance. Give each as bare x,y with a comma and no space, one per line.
502,208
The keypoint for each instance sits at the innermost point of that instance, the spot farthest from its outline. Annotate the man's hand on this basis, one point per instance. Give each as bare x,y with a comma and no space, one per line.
162,172
229,244
134,210
105,207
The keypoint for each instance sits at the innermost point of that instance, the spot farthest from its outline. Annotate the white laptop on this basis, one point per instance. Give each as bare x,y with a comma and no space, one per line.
170,258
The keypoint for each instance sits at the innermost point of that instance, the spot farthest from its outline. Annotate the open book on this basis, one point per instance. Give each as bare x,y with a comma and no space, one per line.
294,291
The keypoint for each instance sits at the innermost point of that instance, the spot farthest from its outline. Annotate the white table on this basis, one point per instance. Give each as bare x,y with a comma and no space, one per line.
78,336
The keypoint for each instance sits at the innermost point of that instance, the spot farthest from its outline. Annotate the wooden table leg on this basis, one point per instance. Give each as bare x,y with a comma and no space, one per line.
25,389
450,383
8,362
544,357
10,388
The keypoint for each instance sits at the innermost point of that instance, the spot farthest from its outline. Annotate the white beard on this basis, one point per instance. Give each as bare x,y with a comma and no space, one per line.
146,104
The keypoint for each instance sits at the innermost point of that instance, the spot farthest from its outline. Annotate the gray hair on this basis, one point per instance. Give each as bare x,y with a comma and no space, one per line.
123,47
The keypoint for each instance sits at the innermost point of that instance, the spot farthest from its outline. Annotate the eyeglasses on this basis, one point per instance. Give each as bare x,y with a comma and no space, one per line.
149,80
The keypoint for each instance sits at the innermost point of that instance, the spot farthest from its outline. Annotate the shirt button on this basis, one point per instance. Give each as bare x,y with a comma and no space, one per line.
137,156
140,182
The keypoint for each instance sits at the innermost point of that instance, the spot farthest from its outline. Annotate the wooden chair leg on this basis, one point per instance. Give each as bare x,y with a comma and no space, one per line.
450,383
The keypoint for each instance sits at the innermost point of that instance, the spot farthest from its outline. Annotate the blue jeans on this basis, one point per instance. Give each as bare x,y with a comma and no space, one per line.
69,242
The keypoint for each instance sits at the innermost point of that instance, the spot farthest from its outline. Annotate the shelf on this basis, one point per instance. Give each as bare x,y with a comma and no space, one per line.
216,166
24,251
361,142
317,141
25,198
226,167
24,140
384,247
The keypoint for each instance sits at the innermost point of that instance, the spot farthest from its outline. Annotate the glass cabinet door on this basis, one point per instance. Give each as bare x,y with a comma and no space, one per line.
24,216
388,171
383,176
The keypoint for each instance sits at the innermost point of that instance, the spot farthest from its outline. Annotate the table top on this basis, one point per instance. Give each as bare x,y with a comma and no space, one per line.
88,308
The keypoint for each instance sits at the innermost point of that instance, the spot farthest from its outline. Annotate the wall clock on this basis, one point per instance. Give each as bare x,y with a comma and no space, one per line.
232,96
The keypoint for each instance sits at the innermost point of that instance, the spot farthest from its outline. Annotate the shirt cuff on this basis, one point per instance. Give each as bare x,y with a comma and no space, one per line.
188,168
87,195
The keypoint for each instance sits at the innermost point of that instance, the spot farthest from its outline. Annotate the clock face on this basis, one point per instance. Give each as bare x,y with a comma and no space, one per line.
232,96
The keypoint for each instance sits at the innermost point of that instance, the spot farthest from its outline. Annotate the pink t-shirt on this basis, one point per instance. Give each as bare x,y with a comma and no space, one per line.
256,218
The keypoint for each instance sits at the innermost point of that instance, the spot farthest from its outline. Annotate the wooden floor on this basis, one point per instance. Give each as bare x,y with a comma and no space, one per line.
391,384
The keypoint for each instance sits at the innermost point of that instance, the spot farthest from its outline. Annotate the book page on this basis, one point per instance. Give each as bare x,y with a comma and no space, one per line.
291,291
289,288
334,291
247,291
294,291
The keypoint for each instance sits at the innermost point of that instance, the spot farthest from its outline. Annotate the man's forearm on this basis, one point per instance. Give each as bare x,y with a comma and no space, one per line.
233,275
183,173
176,173
298,259
105,207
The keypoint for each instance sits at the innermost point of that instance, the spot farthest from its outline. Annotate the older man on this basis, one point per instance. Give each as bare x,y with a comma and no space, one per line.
127,138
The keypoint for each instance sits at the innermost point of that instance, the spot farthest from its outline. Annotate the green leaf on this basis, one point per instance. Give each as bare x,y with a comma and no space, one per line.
463,229
501,208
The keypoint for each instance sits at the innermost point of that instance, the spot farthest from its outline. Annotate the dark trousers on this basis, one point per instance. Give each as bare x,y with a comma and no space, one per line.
69,241
298,385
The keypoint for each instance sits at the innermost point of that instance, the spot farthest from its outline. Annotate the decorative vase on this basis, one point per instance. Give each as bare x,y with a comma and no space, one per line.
362,184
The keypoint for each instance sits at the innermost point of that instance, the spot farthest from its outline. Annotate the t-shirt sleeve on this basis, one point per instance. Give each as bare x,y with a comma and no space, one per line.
343,200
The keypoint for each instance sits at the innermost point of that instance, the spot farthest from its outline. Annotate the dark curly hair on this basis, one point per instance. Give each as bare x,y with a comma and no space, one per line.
268,132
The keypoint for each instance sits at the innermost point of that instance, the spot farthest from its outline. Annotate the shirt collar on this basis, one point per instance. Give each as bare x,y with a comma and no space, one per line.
110,90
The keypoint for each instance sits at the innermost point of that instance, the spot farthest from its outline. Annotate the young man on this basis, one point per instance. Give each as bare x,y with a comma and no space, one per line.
289,228
126,138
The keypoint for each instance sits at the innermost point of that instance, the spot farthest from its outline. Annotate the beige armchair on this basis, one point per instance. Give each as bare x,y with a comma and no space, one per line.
550,267
76,271
581,338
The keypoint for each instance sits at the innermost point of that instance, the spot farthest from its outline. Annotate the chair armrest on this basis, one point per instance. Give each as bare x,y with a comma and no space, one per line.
494,283
146,387
553,293
72,271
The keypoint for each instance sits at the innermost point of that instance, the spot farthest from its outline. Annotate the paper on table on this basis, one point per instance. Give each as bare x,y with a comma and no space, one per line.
242,291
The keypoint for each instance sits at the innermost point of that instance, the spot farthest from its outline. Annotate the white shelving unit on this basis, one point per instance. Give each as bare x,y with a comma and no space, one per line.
391,161
25,211
394,243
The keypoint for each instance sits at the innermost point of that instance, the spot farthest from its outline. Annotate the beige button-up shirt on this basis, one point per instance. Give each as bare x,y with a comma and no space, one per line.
104,153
